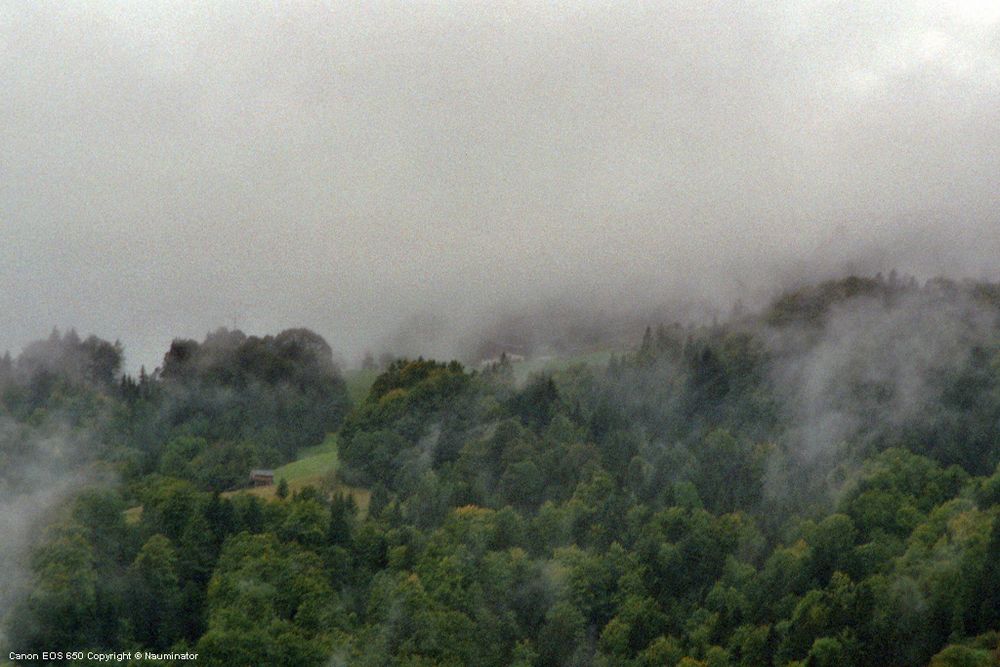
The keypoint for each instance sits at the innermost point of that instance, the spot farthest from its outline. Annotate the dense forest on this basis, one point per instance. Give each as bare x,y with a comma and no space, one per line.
816,483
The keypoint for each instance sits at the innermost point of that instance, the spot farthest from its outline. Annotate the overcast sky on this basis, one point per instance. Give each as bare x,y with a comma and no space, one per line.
170,167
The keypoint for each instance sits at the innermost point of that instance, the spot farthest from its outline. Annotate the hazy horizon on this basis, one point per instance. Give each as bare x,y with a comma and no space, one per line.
169,169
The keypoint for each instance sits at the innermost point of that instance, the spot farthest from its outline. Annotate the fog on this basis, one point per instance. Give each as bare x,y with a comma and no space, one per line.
892,351
354,168
41,468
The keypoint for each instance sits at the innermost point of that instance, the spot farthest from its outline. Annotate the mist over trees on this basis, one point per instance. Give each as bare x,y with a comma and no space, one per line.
816,483
631,390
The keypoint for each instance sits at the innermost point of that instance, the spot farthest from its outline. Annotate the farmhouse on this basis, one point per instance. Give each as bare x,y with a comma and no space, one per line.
261,477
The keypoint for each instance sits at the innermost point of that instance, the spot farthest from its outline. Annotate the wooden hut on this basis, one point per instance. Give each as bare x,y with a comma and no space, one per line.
261,477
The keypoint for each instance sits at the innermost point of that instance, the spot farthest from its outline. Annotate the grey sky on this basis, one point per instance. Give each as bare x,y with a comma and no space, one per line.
167,168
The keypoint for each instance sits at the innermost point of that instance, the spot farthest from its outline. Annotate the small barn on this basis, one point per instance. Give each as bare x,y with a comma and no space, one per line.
261,477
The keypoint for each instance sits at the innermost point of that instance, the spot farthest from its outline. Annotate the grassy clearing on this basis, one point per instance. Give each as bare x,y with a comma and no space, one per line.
362,497
311,462
314,467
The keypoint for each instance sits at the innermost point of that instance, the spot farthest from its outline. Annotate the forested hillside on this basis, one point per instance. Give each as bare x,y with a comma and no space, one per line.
813,484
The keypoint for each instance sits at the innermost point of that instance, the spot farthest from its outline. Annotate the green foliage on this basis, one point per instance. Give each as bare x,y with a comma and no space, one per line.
963,656
810,304
660,511
155,593
270,602
282,393
62,605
